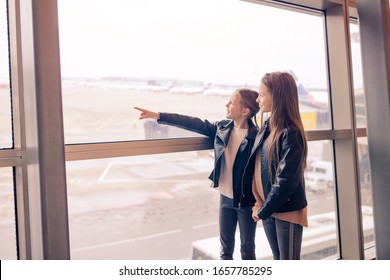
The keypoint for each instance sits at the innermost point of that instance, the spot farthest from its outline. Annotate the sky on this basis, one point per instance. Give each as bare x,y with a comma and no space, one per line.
226,41
221,41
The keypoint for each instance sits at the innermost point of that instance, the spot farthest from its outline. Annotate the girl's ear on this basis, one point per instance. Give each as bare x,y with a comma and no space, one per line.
246,111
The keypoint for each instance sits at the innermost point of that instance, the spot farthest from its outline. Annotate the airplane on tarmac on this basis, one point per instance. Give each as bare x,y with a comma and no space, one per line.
315,98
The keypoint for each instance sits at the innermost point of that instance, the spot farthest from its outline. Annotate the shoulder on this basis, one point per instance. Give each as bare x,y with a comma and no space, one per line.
291,134
290,129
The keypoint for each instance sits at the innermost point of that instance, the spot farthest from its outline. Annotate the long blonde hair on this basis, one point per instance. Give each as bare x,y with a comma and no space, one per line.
284,112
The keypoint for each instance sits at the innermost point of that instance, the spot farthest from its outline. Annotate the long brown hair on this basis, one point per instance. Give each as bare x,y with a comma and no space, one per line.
284,112
248,100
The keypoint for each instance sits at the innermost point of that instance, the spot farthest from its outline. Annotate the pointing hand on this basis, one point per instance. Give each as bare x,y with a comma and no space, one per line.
146,114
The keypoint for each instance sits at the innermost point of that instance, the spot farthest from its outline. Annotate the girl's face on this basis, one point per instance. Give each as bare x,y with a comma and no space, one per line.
234,109
264,99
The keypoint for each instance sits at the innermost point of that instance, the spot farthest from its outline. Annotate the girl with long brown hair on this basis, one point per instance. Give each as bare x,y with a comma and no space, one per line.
279,160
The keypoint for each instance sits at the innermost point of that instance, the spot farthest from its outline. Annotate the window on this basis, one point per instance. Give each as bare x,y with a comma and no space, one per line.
185,57
358,77
320,238
363,155
179,56
7,215
162,207
8,250
141,207
5,96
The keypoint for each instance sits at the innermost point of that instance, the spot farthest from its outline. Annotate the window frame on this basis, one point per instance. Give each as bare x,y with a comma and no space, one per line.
34,222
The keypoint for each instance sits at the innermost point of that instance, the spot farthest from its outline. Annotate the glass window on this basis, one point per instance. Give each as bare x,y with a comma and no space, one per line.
360,105
183,56
320,238
364,165
7,215
162,207
5,96
366,192
141,207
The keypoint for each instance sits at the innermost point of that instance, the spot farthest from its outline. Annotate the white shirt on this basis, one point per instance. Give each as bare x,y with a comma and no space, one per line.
226,178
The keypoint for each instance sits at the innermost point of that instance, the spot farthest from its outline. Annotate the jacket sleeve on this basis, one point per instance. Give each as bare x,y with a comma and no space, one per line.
288,173
194,124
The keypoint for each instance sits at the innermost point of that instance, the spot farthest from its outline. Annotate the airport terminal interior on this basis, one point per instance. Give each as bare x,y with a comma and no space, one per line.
83,178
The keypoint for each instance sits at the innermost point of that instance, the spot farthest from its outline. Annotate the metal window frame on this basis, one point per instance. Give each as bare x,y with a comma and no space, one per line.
40,178
36,232
374,19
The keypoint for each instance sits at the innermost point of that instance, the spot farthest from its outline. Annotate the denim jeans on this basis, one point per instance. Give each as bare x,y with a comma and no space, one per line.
229,216
285,238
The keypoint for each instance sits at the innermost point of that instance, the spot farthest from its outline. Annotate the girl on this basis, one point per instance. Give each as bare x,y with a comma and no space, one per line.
233,141
279,157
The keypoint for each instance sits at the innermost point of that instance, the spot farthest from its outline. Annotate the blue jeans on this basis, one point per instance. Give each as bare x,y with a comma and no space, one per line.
285,238
229,216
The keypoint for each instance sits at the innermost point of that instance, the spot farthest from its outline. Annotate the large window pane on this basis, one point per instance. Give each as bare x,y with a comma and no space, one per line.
366,192
360,103
143,207
184,56
5,97
364,166
7,216
162,207
320,238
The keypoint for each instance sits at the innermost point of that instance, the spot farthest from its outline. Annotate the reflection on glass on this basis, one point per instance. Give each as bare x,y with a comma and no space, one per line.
183,56
320,238
366,192
5,97
360,106
7,216
360,103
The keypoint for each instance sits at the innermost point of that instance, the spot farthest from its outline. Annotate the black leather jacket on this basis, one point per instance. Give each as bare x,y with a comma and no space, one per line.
284,190
219,132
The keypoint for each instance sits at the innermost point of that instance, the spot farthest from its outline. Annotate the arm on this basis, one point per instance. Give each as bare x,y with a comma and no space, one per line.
258,198
186,122
287,175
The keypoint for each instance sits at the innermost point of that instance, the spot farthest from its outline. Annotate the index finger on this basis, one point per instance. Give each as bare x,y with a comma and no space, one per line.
139,109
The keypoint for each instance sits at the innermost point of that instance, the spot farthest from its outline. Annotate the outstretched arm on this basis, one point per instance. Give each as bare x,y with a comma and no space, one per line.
182,121
146,114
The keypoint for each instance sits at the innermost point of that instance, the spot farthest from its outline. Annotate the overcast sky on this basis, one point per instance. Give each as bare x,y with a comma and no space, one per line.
228,41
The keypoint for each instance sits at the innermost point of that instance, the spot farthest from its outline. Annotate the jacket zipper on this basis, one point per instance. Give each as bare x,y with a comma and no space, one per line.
242,179
216,160
246,165
242,182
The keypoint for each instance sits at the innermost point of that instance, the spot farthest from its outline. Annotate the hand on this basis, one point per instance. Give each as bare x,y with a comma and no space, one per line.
146,114
255,209
255,217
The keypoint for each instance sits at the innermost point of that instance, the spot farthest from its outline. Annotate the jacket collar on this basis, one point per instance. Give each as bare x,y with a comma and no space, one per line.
260,136
226,129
